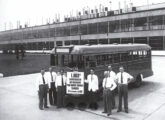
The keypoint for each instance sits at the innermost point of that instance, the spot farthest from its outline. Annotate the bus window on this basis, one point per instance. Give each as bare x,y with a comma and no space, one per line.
76,61
104,57
69,60
145,53
148,53
116,58
130,55
80,61
90,61
92,64
98,59
135,55
123,57
140,54
109,59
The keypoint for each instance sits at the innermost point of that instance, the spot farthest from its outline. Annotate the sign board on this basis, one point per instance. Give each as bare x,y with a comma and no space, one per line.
62,50
75,83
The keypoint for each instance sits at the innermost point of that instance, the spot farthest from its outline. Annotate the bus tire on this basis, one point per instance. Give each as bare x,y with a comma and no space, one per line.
138,81
70,106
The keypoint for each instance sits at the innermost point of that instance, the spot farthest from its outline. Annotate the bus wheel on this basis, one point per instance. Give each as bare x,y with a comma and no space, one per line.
70,106
82,105
138,81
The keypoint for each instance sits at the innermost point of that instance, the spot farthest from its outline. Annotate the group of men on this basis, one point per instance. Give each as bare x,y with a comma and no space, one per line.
51,83
112,81
55,85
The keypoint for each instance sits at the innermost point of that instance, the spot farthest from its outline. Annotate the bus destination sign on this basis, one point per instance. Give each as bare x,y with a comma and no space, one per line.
62,50
75,83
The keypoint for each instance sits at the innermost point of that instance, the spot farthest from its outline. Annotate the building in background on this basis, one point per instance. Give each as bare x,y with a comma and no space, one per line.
143,24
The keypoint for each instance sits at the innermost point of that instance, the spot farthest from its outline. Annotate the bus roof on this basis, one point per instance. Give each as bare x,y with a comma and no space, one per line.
106,48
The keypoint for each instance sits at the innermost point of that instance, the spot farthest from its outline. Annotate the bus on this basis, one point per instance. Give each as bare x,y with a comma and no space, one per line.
135,58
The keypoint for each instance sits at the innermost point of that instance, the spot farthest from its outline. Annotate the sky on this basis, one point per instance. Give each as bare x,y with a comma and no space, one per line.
37,12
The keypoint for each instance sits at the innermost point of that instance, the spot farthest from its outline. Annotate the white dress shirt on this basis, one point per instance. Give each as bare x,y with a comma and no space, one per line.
50,78
111,74
125,75
39,81
59,80
93,84
109,83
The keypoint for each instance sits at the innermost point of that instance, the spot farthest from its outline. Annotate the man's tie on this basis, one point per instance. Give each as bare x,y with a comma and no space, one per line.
109,74
51,76
43,79
91,77
62,80
121,77
105,82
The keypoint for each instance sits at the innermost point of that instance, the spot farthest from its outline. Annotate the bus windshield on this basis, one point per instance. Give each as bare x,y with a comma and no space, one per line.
69,60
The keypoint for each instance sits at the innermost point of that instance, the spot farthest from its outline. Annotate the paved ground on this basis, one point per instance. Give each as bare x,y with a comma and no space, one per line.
18,100
30,64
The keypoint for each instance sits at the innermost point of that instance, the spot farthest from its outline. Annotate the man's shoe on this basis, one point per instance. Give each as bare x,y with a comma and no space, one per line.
108,114
126,111
104,112
46,107
118,110
41,109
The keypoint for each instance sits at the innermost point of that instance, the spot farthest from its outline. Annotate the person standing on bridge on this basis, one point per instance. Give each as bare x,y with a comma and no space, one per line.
60,87
112,75
51,77
123,79
42,88
108,86
93,86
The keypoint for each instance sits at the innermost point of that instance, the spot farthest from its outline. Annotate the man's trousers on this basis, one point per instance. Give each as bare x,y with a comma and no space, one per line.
107,100
60,96
42,93
52,94
123,93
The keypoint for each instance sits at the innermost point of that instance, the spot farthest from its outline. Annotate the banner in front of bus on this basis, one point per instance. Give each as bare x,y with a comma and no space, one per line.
75,83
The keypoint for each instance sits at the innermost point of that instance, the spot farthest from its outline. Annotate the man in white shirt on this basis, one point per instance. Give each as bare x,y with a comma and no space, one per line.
42,88
123,79
112,75
93,86
51,77
60,87
108,86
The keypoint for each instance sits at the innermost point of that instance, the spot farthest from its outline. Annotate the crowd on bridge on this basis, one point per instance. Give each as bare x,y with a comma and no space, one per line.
55,84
